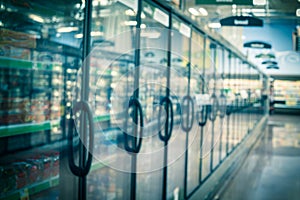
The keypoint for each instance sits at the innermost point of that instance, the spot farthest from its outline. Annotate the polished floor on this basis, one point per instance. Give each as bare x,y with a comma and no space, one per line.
272,169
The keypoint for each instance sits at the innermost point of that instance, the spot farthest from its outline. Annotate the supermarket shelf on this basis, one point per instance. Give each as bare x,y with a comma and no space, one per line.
19,129
102,118
23,64
42,186
282,106
32,189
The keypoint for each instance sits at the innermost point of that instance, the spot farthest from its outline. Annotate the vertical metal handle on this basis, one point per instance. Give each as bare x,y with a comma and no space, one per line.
84,170
137,141
188,126
168,130
213,108
204,114
222,105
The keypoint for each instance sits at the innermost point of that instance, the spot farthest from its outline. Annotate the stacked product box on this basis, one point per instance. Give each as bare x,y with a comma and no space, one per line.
29,170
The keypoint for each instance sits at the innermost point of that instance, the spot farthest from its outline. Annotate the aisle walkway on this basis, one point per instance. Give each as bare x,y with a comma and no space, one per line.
272,169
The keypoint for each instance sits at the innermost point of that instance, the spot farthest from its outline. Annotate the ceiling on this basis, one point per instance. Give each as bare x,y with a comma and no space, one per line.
275,11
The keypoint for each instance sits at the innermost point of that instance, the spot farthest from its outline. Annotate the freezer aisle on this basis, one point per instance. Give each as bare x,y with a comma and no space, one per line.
271,170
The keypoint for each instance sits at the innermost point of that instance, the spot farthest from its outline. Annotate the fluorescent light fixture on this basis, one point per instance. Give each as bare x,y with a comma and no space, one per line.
259,2
95,3
36,18
143,26
1,23
96,33
143,16
214,25
161,17
67,29
185,30
130,12
93,34
150,34
77,5
194,12
203,11
78,36
256,10
130,23
298,12
233,6
104,2
246,10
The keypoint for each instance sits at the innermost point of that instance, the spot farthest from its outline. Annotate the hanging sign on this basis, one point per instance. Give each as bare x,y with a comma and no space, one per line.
269,62
161,17
241,21
262,55
258,45
185,30
273,67
225,2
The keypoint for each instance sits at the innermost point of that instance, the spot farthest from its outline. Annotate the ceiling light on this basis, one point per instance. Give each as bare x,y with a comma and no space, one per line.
233,6
203,11
130,23
256,10
77,5
78,36
95,3
143,16
298,12
67,29
194,12
104,2
96,33
1,23
214,25
36,18
130,12
246,10
143,26
150,34
259,2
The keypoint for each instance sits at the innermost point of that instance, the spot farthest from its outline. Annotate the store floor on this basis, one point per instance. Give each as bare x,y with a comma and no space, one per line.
271,171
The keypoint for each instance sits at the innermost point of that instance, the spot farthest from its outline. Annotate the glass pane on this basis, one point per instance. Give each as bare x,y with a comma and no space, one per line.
111,86
207,136
197,86
38,64
181,34
153,86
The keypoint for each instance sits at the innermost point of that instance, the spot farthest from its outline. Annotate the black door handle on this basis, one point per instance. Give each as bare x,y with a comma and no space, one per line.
186,125
137,144
213,108
204,113
222,105
84,170
168,129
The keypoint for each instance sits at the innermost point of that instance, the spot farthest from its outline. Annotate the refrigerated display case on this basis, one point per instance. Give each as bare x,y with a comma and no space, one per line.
116,100
286,94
